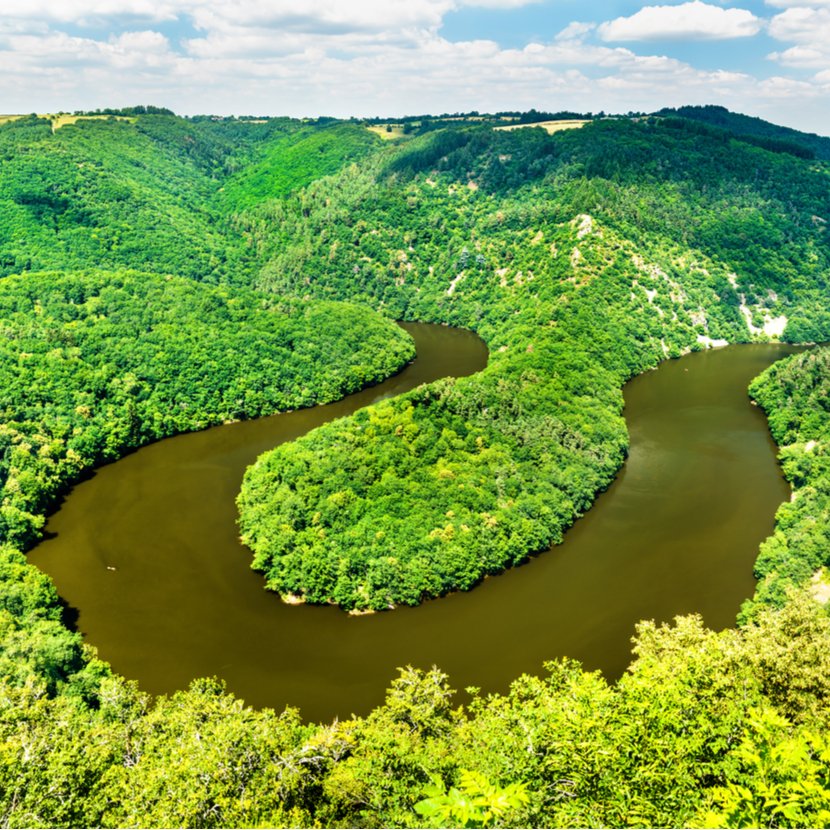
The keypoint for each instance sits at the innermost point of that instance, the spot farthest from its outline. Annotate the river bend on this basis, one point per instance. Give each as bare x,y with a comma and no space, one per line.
147,551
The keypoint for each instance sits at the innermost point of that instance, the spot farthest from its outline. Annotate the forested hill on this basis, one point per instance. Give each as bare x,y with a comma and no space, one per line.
772,136
583,258
162,274
114,193
106,350
152,191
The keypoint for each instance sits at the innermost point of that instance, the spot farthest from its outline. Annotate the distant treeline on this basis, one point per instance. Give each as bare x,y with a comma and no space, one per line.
751,129
774,145
143,109
420,124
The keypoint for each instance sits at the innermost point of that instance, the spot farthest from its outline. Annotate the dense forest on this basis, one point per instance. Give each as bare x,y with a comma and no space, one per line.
97,363
683,245
114,194
795,394
164,274
756,130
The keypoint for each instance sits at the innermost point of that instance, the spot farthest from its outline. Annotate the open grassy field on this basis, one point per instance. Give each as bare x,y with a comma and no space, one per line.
62,119
550,126
396,131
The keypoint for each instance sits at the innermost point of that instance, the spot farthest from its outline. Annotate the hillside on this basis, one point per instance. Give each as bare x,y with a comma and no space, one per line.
293,159
110,194
748,127
120,358
163,274
678,239
152,192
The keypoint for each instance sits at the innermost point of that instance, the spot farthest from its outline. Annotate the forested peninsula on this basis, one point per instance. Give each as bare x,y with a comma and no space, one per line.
163,274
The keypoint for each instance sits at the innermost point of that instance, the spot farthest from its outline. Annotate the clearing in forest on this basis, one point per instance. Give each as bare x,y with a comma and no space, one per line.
550,126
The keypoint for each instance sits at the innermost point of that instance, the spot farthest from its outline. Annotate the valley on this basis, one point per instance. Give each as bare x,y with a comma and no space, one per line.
162,275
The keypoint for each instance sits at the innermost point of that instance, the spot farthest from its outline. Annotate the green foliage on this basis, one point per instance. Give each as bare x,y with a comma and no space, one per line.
788,660
692,730
95,364
389,755
795,394
199,759
474,803
784,782
113,194
289,162
582,259
753,128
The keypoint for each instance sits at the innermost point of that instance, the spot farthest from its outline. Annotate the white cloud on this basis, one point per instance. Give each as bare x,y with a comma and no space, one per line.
316,14
688,21
576,31
433,74
323,17
42,54
801,57
249,27
370,57
79,11
786,4
809,30
788,88
802,25
146,42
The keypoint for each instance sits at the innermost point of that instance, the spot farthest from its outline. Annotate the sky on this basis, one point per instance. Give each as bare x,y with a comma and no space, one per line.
769,58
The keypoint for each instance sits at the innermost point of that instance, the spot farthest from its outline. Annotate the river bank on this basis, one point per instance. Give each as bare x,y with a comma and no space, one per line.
676,532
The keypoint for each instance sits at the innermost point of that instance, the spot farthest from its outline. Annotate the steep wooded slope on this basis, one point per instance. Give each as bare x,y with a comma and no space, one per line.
582,258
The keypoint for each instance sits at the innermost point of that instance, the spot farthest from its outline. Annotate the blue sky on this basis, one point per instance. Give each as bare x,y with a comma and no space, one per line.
391,57
540,22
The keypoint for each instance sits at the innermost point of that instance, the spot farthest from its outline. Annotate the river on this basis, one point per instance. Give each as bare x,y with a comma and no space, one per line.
146,552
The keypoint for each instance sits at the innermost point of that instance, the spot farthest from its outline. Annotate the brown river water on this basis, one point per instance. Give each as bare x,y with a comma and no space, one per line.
146,551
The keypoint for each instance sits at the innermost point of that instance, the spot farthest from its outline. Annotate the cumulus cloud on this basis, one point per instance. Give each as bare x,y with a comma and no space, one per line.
354,13
250,27
82,11
788,88
370,57
688,21
436,74
809,30
323,17
802,57
786,4
57,51
802,25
